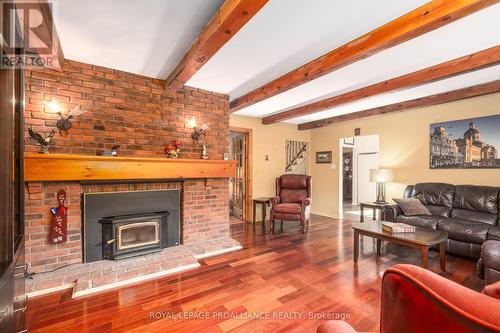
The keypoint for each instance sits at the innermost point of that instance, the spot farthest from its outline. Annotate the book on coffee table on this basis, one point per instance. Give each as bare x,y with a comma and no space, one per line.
395,228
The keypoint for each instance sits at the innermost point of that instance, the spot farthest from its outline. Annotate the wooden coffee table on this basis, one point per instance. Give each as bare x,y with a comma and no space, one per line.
421,239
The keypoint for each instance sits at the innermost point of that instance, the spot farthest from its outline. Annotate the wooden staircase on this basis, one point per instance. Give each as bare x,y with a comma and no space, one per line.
295,155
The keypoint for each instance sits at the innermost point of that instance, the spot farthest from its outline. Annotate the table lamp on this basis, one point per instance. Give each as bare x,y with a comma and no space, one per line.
381,177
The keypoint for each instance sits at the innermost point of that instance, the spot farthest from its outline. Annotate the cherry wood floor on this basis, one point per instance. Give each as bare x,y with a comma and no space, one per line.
281,282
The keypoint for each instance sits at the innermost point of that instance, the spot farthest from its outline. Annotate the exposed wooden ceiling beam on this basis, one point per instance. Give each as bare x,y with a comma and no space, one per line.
455,95
229,19
469,63
428,17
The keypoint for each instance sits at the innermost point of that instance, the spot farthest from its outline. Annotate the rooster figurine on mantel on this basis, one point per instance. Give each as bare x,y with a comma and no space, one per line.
42,141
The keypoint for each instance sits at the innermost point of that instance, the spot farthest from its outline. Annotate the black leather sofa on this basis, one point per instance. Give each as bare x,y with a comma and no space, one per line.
468,213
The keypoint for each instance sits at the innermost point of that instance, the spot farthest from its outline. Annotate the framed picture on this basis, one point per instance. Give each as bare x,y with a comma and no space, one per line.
324,157
465,144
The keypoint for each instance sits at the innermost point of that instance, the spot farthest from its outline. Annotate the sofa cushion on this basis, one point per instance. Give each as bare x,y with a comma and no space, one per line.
476,203
422,221
292,195
441,211
479,198
293,181
437,197
464,230
288,208
437,194
474,216
412,207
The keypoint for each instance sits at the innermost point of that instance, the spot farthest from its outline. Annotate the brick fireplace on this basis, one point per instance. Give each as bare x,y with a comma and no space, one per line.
204,213
139,115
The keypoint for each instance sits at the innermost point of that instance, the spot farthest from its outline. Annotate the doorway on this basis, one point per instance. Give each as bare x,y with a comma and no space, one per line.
240,188
358,155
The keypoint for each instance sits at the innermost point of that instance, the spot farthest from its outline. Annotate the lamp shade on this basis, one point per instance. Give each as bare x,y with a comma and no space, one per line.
381,175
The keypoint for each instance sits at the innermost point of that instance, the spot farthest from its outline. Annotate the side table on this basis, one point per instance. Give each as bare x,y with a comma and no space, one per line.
264,202
374,205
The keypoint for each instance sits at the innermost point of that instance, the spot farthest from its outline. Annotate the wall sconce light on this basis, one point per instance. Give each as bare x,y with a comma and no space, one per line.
54,107
64,123
197,132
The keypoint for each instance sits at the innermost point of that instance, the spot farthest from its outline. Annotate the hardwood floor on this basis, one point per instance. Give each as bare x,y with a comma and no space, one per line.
287,274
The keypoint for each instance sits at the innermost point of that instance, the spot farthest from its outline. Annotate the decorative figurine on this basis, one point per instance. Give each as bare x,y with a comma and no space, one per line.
42,141
112,152
59,225
204,152
64,124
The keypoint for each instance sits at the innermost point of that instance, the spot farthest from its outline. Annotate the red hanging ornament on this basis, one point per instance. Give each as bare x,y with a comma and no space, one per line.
59,225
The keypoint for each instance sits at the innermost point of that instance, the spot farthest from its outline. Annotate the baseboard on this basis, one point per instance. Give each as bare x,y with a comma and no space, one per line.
50,290
325,214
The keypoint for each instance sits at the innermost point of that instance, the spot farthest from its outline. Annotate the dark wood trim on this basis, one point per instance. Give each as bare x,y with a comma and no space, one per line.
248,132
424,19
462,65
455,95
229,19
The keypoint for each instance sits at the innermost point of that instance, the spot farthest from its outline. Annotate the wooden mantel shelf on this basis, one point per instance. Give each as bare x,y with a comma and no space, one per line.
63,167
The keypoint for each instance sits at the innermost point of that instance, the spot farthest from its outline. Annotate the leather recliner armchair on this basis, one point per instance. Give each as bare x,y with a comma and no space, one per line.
293,199
417,300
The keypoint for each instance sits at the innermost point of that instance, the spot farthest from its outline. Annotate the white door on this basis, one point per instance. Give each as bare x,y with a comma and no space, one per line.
367,191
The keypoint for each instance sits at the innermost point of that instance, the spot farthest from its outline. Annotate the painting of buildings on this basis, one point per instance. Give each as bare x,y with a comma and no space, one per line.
467,143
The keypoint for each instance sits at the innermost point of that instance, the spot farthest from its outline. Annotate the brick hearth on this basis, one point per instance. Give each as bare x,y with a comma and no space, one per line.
86,278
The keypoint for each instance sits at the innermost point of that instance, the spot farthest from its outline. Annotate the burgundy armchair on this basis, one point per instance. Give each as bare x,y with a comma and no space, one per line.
417,300
293,199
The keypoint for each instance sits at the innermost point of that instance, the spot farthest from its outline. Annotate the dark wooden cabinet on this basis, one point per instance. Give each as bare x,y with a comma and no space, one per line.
12,263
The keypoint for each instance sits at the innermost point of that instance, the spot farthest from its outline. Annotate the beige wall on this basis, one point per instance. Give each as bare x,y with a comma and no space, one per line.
404,147
268,140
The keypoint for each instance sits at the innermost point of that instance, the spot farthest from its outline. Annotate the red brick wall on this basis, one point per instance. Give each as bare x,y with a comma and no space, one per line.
206,210
138,114
132,111
40,254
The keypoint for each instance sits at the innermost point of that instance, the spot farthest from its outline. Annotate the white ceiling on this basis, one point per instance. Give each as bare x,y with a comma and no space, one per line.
146,37
149,37
286,34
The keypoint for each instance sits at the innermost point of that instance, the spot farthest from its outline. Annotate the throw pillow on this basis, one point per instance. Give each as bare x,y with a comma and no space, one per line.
412,207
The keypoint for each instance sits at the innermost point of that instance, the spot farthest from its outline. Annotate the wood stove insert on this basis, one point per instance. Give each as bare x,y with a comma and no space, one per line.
133,235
